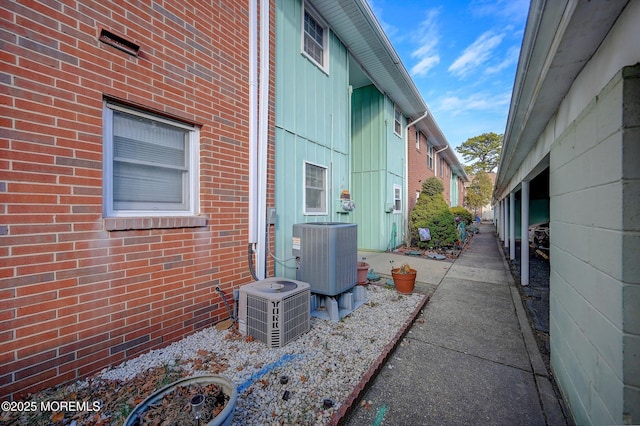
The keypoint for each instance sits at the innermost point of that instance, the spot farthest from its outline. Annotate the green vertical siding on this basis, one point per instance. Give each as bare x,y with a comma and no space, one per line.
319,121
312,124
453,185
378,156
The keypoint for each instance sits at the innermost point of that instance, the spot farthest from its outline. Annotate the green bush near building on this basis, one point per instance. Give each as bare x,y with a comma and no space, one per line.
431,211
462,213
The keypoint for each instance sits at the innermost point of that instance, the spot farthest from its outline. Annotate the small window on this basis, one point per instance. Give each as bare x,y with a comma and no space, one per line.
397,122
442,163
397,198
150,164
429,155
315,39
417,139
315,189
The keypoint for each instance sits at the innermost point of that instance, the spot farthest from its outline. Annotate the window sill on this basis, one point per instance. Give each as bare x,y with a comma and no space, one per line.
159,222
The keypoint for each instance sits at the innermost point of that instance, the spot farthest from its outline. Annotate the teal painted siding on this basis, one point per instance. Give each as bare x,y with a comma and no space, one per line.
538,213
453,185
377,165
367,164
319,120
312,118
309,102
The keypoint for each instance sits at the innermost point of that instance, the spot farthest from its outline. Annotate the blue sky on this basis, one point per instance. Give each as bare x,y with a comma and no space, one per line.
462,56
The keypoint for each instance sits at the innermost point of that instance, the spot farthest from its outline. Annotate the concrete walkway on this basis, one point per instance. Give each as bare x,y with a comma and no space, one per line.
470,357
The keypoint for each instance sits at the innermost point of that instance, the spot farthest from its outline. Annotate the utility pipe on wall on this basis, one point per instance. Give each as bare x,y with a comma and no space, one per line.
253,121
263,138
258,133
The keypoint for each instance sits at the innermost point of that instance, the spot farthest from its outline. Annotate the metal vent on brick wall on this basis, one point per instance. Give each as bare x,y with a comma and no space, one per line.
118,42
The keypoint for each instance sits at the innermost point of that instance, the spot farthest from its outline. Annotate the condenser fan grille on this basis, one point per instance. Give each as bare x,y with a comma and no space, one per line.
277,311
280,286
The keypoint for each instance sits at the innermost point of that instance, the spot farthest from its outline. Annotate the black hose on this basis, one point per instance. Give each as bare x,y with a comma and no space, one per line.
252,268
226,303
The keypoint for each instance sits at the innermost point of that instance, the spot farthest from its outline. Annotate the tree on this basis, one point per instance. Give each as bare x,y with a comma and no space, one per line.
479,192
483,152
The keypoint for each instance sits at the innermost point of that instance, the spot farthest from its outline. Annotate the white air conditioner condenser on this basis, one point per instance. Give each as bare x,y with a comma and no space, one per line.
274,310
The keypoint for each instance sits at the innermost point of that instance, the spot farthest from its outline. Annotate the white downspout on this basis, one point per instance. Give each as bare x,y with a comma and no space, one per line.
253,120
436,159
405,196
263,139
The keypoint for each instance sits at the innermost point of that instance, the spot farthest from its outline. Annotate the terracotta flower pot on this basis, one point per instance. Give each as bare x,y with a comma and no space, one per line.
363,270
405,283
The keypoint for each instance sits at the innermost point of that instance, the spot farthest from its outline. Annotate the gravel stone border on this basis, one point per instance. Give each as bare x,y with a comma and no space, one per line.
313,380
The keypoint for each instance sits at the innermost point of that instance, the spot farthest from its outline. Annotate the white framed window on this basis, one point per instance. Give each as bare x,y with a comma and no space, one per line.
150,164
315,38
429,155
397,121
442,163
417,139
397,198
315,189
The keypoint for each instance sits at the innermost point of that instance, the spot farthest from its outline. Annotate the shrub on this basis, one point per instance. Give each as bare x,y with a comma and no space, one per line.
462,213
431,211
432,186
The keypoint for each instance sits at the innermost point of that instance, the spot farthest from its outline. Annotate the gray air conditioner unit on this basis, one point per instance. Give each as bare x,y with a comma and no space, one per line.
274,310
327,255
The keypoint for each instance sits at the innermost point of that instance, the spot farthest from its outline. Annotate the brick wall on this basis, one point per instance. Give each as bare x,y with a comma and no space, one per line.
79,292
419,170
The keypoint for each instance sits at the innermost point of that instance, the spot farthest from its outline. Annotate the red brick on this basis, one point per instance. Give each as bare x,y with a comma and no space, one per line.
24,280
79,272
24,318
44,327
52,207
18,344
45,345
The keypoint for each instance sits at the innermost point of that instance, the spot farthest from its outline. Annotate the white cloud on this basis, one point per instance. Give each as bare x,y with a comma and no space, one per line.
474,102
476,54
510,58
511,9
423,67
428,37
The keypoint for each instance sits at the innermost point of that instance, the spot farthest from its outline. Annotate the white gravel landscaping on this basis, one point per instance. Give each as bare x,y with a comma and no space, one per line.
321,368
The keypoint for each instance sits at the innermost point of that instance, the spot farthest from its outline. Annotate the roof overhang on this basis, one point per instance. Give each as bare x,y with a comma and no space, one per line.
560,38
356,26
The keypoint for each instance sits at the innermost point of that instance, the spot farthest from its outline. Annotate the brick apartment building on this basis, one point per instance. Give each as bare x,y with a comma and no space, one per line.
429,155
125,181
